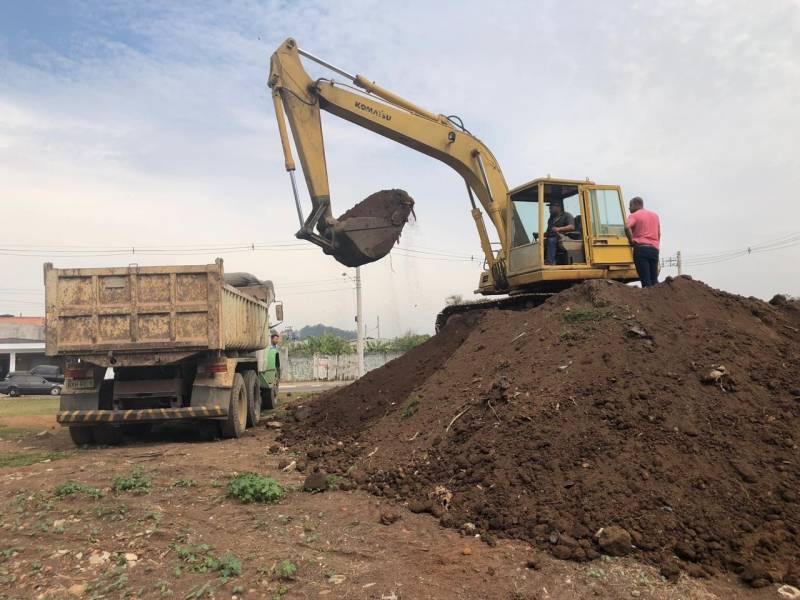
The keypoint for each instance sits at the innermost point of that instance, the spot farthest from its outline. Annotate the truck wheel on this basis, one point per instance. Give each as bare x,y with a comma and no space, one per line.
269,398
253,398
81,436
13,392
106,435
235,424
137,429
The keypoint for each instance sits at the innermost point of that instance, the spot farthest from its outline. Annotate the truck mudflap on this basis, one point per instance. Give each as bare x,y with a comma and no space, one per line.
69,417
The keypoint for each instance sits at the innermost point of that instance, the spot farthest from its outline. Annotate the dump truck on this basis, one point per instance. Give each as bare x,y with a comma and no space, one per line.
145,345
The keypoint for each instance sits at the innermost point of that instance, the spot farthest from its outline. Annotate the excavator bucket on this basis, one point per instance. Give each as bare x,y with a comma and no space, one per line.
367,232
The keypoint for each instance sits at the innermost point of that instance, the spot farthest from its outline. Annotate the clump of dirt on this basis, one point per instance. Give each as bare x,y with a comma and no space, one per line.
368,231
661,423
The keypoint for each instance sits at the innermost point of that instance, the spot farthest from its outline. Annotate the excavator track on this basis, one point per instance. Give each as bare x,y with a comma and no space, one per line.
516,302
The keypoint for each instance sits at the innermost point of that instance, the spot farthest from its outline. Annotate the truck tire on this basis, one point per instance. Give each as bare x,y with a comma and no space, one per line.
136,430
253,398
13,392
81,436
269,398
106,435
236,423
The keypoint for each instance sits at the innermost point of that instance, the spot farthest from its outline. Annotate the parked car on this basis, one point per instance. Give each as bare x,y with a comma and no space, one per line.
19,384
50,372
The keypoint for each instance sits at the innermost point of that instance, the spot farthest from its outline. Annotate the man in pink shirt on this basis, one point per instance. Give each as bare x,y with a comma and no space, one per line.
644,233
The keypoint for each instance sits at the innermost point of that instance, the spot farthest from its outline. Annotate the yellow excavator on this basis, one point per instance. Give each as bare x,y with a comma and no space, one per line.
596,248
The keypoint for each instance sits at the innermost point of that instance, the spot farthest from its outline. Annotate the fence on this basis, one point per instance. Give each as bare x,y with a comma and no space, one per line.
343,367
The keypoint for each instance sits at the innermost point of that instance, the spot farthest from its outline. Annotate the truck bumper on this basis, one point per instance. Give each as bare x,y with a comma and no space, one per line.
71,417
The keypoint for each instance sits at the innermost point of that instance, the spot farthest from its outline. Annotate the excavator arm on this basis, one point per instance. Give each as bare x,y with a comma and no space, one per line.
363,239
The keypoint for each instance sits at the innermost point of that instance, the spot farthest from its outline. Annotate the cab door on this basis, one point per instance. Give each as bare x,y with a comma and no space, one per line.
608,244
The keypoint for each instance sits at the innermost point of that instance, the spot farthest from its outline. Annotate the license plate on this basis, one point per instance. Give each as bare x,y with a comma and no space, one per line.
81,384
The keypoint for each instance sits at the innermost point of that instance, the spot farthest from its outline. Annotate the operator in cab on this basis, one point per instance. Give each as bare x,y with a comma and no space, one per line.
644,233
559,223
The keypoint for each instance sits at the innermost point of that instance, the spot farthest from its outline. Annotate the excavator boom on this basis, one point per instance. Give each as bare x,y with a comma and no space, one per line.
351,239
533,258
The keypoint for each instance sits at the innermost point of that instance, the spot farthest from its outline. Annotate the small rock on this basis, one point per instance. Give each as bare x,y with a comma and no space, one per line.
77,589
636,331
685,551
670,571
789,591
389,516
130,557
316,482
614,541
274,424
419,506
97,559
59,523
561,552
745,471
696,571
301,413
466,551
274,449
468,528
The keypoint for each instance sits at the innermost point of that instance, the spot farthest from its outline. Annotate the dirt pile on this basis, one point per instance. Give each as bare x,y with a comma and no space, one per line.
661,423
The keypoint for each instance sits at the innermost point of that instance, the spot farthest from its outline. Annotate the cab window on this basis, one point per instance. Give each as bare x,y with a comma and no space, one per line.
607,216
525,220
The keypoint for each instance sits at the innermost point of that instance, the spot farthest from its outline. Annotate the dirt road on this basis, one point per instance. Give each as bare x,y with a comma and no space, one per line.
67,534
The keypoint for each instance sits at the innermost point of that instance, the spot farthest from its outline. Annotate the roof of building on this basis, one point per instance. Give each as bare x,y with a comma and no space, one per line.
22,320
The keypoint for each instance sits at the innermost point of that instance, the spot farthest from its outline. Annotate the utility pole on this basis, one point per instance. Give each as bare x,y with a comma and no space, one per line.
680,264
378,326
359,325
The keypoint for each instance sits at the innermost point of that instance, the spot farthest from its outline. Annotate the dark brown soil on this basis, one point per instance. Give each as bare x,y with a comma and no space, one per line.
368,231
598,409
381,204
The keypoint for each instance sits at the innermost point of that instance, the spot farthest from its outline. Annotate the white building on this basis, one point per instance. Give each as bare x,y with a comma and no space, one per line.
22,344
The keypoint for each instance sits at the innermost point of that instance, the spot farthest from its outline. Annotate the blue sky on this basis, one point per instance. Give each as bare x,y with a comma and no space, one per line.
150,124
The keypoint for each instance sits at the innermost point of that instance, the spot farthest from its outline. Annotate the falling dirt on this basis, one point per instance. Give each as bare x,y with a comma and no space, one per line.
368,231
660,424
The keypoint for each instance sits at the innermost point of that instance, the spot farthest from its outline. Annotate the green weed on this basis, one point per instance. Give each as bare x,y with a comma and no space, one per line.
111,513
23,459
252,487
184,483
136,481
284,570
200,560
412,408
333,481
71,487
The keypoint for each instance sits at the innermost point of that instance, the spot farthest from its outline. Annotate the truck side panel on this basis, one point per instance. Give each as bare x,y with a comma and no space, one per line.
133,309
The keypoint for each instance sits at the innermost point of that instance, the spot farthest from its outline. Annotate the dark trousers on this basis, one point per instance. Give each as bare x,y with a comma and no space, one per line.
646,260
550,249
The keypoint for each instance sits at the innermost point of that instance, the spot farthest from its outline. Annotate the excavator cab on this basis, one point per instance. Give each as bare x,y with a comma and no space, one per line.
597,246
